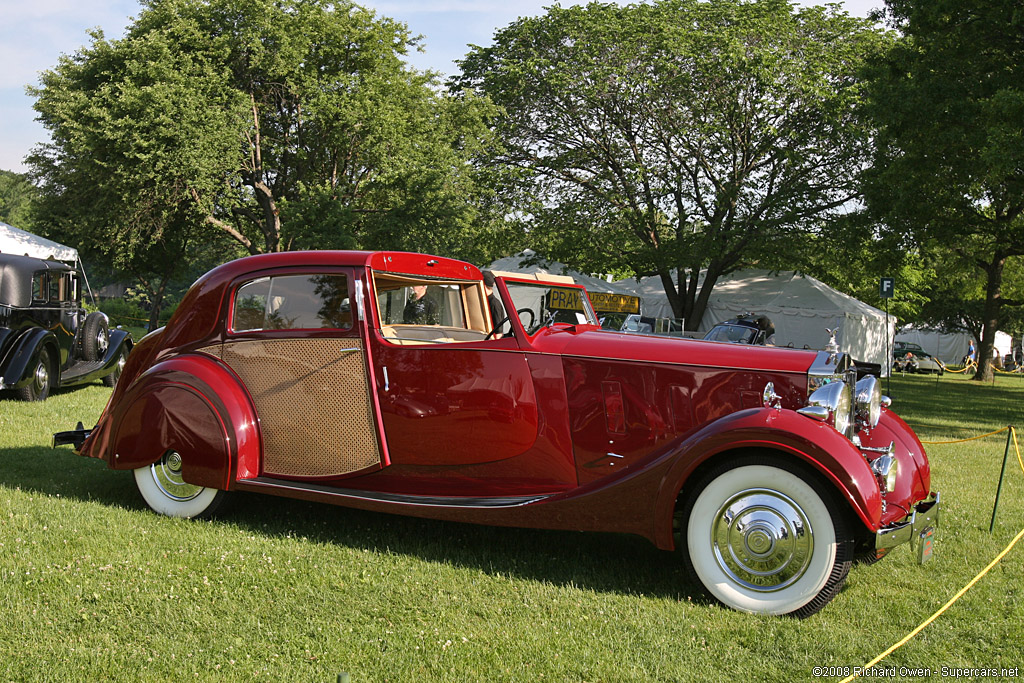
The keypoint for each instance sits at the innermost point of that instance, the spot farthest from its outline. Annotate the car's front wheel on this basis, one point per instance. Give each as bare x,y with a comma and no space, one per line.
166,492
763,535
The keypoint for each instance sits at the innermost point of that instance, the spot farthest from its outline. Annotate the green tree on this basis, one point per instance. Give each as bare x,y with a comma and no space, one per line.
278,124
678,136
16,196
948,172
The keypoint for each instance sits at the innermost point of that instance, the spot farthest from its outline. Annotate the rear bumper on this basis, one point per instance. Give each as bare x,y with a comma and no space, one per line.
917,528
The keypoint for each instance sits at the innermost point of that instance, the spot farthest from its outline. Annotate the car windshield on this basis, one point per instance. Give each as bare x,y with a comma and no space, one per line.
737,334
543,304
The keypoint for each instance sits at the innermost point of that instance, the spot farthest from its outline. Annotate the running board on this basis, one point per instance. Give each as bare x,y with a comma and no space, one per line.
307,490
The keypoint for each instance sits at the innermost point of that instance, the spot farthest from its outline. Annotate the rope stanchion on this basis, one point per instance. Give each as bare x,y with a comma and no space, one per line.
1011,436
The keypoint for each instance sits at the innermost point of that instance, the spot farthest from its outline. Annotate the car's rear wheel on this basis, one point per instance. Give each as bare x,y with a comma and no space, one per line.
42,379
111,379
763,535
95,337
166,492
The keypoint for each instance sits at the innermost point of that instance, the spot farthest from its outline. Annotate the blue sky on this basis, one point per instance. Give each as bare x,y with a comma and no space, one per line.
35,33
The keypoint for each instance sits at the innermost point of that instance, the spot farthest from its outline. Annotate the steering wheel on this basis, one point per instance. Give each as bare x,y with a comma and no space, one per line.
533,319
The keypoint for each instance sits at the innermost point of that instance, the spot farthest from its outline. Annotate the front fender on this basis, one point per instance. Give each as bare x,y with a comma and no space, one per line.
23,356
785,432
192,404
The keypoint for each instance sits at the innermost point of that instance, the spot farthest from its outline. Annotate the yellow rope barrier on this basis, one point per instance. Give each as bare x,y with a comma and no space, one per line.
962,591
973,438
942,609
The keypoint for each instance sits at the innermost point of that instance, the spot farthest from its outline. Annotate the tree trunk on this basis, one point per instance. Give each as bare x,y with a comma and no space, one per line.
991,315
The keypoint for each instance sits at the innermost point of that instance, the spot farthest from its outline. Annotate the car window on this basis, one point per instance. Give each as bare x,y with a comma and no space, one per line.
422,304
292,302
414,311
39,287
541,304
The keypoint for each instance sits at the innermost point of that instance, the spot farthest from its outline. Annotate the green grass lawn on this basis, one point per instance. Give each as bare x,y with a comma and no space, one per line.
93,586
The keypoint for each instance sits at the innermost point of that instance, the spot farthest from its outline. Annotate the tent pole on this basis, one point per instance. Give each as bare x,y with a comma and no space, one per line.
81,267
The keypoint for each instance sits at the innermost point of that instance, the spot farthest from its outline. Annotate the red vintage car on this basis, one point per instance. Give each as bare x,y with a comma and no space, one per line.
386,381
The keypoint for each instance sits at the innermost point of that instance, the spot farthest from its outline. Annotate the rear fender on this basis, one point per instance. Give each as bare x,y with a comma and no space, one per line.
24,354
191,404
784,432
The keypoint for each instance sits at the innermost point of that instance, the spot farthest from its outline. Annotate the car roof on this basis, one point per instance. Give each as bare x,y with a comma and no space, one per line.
198,313
16,277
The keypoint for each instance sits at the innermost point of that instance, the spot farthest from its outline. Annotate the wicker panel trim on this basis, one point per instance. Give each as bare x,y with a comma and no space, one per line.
312,398
214,350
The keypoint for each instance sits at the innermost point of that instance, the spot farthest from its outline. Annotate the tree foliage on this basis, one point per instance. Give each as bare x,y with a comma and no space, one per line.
678,136
948,170
279,124
16,196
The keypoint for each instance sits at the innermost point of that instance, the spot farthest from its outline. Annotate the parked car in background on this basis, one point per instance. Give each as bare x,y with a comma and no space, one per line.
47,340
910,357
312,375
744,329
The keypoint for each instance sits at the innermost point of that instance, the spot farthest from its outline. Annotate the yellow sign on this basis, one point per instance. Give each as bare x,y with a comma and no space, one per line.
564,299
604,302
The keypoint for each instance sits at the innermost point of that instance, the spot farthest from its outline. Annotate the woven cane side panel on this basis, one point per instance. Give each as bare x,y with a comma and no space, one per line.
214,350
312,399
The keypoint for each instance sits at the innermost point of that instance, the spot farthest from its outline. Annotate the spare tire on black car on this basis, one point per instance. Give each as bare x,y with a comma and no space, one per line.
95,337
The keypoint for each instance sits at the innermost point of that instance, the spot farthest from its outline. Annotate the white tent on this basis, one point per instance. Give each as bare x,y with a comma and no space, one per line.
21,243
950,347
801,307
593,284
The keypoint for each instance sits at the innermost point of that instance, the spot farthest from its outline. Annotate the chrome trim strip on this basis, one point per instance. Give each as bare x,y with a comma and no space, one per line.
263,483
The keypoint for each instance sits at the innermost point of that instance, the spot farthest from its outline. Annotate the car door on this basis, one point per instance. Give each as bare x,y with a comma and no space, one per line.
449,395
293,340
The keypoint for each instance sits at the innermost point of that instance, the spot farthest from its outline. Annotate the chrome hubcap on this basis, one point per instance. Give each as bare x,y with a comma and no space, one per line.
121,363
42,376
762,540
102,340
167,475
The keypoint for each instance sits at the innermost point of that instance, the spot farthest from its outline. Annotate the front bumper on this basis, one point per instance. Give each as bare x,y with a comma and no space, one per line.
76,437
917,528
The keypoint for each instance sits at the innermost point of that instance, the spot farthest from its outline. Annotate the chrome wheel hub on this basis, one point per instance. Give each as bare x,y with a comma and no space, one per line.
41,377
762,540
167,475
102,341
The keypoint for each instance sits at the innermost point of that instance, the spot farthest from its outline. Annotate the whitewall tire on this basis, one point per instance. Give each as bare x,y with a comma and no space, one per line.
164,490
765,535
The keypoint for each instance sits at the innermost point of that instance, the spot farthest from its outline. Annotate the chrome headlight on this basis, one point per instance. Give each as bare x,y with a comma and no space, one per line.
869,401
886,467
836,398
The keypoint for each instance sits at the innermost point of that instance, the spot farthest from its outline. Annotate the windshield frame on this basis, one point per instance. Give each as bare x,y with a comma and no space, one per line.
541,320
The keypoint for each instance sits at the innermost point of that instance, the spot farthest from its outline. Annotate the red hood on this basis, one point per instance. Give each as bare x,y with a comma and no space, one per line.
592,342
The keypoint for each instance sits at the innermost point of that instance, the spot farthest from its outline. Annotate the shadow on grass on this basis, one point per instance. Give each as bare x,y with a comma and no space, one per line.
600,562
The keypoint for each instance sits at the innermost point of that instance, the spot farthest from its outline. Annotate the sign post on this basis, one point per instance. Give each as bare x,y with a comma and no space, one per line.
886,289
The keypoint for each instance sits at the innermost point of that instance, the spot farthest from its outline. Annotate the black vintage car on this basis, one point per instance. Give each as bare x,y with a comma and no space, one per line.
46,338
